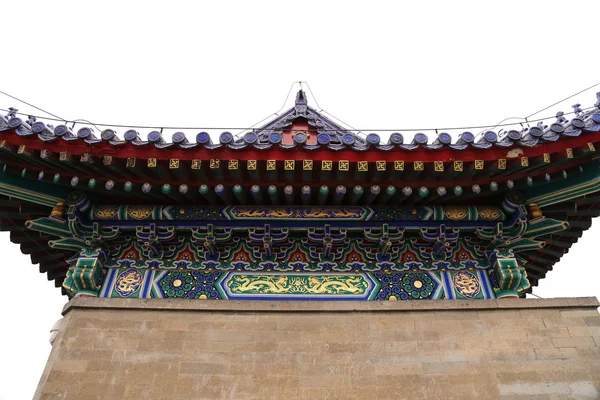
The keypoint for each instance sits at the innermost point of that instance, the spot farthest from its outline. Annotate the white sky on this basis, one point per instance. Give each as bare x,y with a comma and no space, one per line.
373,65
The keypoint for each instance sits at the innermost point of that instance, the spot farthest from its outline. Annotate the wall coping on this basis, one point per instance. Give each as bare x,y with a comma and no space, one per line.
325,306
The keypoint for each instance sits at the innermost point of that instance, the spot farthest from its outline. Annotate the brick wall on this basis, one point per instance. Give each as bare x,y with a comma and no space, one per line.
178,349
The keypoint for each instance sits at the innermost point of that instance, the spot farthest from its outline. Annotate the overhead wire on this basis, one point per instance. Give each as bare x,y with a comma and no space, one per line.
276,113
558,102
326,112
31,105
526,119
252,127
325,130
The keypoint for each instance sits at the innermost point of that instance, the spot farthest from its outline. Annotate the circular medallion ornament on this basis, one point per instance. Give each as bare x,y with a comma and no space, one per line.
420,138
467,137
38,127
84,133
15,122
203,138
596,118
179,137
348,139
226,138
536,132
128,282
466,284
177,283
323,138
300,137
130,135
445,138
373,139
514,135
418,285
490,137
275,138
396,138
577,123
557,128
250,138
61,130
109,134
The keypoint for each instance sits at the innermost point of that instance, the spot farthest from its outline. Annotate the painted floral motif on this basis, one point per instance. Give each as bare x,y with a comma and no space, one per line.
489,213
456,213
106,212
139,212
244,212
418,284
205,286
177,283
391,287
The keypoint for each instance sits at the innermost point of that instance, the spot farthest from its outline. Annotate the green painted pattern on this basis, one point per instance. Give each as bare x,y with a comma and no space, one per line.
298,284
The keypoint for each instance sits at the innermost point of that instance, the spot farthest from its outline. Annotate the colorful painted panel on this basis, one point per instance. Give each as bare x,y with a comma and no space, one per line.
313,287
216,285
296,213
467,285
295,255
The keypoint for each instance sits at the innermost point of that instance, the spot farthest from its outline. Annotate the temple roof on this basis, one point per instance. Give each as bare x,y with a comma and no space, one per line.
316,132
301,158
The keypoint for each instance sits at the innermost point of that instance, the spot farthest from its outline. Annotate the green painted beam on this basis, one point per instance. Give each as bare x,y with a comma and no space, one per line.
32,191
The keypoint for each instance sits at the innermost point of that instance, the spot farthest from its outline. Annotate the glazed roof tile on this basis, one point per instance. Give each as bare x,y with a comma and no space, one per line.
329,134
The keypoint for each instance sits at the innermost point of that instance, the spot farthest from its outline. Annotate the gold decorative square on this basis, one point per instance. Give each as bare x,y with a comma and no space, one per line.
215,163
289,165
591,147
307,165
344,165
21,149
419,166
524,162
271,165
458,166
381,165
86,158
107,160
251,165
502,163
326,165
569,153
45,154
438,166
173,163
152,163
130,162
196,163
363,166
546,158
233,165
479,164
399,165
2,143
64,156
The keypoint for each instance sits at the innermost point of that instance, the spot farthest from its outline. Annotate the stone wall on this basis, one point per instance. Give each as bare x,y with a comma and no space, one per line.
185,349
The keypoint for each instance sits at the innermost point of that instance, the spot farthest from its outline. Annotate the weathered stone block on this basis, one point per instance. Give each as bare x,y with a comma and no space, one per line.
176,349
